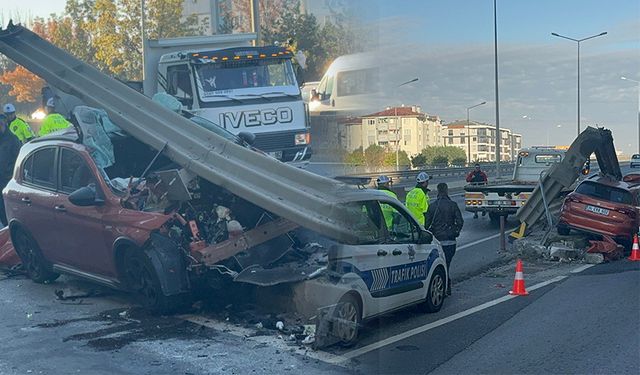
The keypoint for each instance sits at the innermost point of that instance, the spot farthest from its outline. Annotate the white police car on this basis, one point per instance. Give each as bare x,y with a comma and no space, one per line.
392,266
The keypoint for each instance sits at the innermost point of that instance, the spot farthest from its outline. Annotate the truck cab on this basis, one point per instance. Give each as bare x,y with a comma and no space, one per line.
242,89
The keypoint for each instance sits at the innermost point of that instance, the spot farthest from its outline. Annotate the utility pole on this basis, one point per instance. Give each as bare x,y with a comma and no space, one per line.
255,20
495,53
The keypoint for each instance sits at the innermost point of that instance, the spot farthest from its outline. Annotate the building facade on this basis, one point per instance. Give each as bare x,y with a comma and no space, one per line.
479,141
403,128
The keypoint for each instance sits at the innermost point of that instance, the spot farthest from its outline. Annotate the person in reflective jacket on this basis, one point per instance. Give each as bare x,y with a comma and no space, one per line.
384,184
18,126
54,121
417,200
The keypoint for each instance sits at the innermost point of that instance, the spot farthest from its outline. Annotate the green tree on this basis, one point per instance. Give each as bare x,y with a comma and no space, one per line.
390,159
355,157
419,161
459,161
440,160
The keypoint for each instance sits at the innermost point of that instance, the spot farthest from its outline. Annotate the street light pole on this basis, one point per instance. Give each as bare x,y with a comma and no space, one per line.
469,132
578,42
399,129
638,82
495,54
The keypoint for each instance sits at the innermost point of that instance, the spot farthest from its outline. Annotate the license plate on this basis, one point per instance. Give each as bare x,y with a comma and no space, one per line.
499,203
597,210
276,154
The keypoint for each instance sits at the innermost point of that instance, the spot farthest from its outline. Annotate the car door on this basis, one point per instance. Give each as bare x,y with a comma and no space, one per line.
413,260
376,261
81,229
32,204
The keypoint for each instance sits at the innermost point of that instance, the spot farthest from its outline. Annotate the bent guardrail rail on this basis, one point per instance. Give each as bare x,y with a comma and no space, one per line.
307,199
564,174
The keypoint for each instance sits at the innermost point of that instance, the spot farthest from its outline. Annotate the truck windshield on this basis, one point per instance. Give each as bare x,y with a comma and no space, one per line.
604,192
223,78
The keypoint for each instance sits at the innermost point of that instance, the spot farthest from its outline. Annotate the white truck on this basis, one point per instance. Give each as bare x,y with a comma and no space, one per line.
242,88
505,198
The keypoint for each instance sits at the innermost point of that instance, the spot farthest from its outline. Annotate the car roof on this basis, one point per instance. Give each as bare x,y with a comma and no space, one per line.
608,181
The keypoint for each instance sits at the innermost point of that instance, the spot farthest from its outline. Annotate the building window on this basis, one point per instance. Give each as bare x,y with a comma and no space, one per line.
462,140
450,132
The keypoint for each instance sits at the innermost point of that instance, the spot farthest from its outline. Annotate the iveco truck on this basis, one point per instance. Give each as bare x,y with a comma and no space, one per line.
238,86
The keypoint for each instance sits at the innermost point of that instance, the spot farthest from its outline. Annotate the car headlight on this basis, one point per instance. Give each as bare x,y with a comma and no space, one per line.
302,139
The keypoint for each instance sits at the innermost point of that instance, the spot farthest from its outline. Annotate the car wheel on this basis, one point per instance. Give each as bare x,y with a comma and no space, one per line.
37,268
563,230
347,319
141,279
436,291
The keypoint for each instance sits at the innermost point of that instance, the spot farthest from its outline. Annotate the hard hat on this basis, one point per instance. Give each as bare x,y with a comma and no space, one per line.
383,180
9,108
422,177
51,103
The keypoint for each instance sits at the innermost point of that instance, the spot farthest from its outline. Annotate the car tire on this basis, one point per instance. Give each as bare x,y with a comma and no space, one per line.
141,279
436,291
33,262
563,230
349,311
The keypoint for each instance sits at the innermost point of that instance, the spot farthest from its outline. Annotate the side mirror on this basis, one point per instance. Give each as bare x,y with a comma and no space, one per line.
425,237
86,196
247,137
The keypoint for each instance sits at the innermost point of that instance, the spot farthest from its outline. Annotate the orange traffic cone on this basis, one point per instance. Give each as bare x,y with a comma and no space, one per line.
518,282
635,250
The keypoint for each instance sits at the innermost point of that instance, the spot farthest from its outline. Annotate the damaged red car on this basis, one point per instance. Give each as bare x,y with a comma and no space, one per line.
603,206
96,203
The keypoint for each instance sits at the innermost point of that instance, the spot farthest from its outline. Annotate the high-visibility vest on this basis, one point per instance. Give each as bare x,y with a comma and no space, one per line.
417,202
21,129
387,210
53,122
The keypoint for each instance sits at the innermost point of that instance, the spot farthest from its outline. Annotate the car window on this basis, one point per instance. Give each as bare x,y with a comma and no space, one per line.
636,156
402,230
39,169
74,172
367,221
604,192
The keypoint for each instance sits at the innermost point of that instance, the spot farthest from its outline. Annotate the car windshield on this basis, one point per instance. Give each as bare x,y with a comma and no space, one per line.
636,156
604,192
223,78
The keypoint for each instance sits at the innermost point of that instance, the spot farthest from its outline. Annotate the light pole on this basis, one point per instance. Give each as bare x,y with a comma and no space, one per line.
469,132
638,82
495,55
399,129
578,43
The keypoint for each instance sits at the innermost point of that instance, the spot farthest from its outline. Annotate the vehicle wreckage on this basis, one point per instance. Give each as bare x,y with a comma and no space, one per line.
204,207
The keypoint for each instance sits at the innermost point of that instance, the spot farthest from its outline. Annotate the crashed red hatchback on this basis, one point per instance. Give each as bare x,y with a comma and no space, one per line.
604,206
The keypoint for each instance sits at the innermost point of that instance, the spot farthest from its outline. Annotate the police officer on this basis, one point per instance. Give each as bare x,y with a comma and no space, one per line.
54,121
9,148
384,184
418,198
18,126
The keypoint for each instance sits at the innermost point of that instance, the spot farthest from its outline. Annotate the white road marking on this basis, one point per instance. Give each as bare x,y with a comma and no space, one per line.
269,340
393,339
485,239
582,268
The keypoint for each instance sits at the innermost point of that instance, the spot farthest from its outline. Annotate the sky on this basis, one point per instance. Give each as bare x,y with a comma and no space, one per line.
448,45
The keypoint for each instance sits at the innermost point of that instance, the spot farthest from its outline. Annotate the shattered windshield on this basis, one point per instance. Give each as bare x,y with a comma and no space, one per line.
223,78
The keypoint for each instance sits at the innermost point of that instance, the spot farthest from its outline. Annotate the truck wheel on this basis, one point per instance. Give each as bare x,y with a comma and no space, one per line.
38,269
494,217
141,279
347,319
436,292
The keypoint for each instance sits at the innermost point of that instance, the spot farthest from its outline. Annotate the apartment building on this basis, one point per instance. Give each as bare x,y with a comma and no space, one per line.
408,128
478,140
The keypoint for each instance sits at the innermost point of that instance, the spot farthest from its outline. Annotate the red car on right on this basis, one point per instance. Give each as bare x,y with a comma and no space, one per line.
604,206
